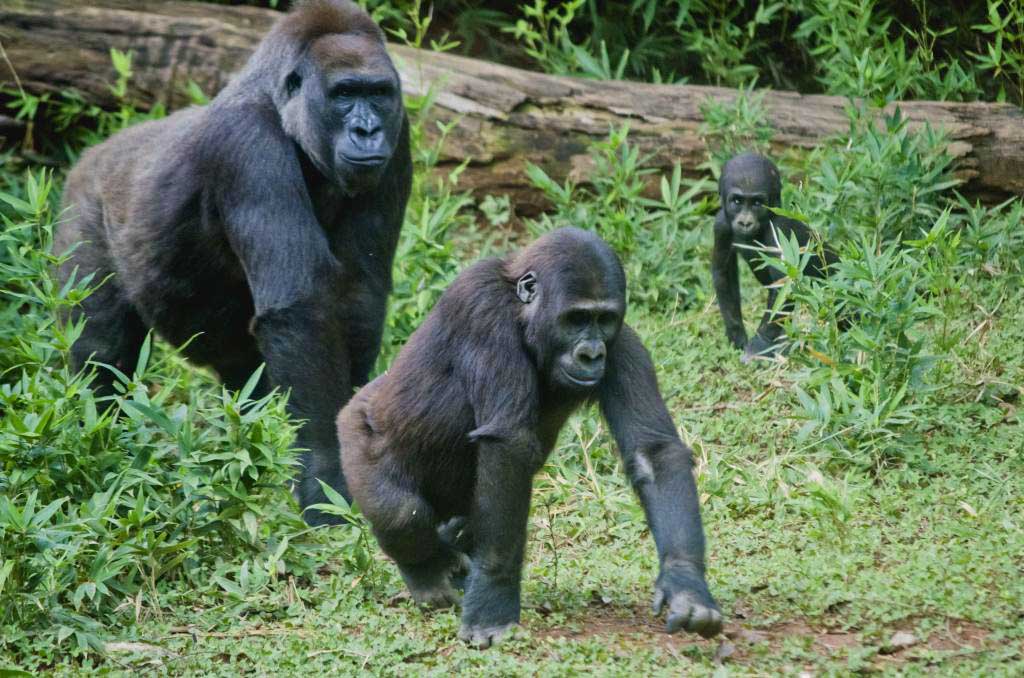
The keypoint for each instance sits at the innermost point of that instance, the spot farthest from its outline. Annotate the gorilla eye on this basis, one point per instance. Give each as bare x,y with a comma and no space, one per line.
292,83
577,318
736,200
342,92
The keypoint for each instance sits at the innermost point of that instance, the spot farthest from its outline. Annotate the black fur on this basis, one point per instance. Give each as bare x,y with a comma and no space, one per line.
265,223
749,185
452,435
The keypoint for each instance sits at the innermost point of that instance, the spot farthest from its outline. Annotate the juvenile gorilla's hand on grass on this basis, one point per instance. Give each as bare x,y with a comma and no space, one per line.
690,605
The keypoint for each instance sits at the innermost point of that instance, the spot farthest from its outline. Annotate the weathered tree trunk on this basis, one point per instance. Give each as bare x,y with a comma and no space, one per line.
504,117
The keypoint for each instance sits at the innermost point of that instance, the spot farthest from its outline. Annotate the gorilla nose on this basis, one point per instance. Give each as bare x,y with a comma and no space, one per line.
590,353
366,130
365,144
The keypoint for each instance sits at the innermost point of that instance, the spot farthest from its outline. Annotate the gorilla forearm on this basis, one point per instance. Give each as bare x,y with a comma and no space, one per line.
727,290
660,469
659,465
305,353
364,331
492,602
725,277
306,357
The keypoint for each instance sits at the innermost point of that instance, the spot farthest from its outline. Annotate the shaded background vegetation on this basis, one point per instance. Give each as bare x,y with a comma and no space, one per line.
162,514
955,50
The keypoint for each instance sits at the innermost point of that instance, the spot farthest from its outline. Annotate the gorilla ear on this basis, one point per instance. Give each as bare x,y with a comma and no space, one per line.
292,83
526,287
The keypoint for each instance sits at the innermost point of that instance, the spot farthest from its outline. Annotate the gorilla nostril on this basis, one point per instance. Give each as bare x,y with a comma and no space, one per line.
590,354
365,131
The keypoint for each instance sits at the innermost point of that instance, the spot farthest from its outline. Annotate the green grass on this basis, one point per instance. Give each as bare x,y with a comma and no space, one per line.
822,569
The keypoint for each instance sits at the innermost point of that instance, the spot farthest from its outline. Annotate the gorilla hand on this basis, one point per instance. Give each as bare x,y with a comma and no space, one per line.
690,605
759,348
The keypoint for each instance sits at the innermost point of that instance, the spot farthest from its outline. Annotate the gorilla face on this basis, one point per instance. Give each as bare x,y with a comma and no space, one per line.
750,184
583,330
344,109
574,310
747,211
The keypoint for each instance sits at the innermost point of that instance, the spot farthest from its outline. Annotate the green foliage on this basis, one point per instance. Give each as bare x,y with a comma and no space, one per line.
881,51
862,388
660,240
1003,56
887,179
107,500
728,129
79,123
861,50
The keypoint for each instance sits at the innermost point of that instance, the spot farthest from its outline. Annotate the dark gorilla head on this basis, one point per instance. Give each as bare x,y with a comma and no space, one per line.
573,294
337,91
750,184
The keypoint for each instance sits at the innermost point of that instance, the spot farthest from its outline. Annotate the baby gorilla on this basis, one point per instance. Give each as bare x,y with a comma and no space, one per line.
473,405
749,185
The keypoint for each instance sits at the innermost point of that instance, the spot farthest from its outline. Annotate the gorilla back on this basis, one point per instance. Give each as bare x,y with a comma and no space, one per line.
261,227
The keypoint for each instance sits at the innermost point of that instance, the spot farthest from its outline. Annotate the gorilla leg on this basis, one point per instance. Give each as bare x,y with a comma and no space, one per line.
235,373
113,334
406,528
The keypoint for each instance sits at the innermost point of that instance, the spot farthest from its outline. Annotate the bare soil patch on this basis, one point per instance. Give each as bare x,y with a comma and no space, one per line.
637,628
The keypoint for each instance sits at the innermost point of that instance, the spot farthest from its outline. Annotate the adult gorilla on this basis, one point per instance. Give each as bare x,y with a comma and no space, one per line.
262,226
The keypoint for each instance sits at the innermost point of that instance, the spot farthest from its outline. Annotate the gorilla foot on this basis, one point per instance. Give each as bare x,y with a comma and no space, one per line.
433,584
483,637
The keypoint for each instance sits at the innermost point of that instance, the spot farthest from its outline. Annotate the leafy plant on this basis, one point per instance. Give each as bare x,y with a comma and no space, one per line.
888,180
728,129
108,499
659,239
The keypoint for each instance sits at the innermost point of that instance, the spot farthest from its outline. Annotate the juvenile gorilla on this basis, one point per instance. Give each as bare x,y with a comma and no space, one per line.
261,227
471,408
749,185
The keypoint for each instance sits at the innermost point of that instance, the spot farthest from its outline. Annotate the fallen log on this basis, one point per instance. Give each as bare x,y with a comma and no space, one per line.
503,117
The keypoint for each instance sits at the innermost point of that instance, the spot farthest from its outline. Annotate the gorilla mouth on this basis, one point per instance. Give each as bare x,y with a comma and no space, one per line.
578,381
365,160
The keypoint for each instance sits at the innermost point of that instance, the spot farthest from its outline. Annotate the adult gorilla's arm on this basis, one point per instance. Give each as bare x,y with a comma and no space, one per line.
375,224
725,276
660,468
296,283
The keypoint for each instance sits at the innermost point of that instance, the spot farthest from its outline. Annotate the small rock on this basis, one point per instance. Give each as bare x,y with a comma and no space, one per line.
136,648
900,640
